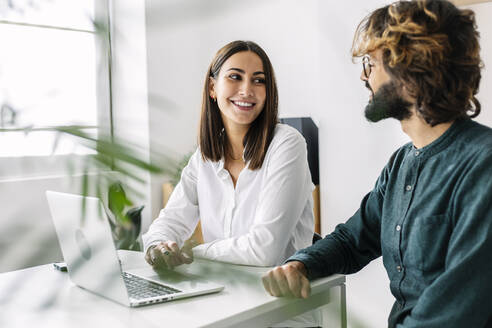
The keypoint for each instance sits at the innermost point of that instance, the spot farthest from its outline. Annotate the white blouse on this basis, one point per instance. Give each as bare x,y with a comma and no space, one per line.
263,221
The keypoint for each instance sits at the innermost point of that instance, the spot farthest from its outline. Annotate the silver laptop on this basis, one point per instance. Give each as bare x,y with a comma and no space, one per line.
87,245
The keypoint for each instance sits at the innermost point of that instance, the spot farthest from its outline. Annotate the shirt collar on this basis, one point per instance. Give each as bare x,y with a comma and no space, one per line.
444,140
219,165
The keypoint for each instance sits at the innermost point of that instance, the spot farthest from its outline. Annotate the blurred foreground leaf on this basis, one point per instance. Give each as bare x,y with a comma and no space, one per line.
129,161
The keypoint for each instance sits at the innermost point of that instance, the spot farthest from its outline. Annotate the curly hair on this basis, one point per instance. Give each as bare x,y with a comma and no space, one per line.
430,47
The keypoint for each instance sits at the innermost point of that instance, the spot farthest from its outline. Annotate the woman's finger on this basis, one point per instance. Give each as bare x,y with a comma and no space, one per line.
157,257
172,246
169,256
187,252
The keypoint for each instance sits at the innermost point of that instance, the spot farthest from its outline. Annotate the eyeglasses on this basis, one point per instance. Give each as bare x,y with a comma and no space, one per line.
366,66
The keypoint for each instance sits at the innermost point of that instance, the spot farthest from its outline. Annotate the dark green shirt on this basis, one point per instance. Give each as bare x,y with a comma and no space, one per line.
430,217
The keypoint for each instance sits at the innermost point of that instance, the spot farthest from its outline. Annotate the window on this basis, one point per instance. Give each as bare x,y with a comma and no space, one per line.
53,72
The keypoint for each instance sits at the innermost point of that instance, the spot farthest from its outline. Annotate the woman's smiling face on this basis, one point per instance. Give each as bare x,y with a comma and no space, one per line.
239,88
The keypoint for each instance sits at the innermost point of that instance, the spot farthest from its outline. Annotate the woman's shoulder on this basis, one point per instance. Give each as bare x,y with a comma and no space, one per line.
199,162
286,132
286,138
194,160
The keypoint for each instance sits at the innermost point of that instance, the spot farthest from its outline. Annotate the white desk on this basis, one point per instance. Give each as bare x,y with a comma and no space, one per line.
44,297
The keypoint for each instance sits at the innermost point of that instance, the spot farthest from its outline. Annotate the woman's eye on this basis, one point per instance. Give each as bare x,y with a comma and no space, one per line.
235,77
259,80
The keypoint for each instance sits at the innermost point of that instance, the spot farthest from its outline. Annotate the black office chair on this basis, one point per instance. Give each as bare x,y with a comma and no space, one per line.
309,130
316,237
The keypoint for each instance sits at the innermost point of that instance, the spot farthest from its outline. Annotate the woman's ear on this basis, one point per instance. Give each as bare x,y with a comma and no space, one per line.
211,87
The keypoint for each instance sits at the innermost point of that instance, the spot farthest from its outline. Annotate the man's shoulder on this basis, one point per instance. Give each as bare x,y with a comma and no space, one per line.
480,134
476,141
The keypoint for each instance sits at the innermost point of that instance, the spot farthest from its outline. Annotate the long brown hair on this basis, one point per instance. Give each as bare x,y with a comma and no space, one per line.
430,47
212,139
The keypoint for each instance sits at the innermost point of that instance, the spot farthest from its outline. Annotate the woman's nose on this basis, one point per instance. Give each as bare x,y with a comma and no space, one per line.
246,89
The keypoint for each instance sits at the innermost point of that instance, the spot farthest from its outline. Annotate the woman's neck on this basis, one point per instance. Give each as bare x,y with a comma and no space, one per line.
235,135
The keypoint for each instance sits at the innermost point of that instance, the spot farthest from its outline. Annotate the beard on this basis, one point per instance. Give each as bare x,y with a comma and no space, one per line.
387,103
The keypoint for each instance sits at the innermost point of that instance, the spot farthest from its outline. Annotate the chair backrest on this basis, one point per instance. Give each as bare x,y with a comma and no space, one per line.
309,130
316,237
167,189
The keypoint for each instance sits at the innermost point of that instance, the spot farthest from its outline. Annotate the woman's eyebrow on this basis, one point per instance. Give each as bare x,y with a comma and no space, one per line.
242,71
236,69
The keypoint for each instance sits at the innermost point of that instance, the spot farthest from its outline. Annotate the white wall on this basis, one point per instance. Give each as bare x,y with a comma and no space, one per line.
483,14
309,45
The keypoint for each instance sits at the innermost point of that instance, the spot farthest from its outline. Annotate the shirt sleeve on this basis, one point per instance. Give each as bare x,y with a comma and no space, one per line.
179,218
353,244
460,296
282,199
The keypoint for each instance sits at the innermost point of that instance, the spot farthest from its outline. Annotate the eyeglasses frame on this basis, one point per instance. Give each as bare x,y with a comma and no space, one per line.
366,66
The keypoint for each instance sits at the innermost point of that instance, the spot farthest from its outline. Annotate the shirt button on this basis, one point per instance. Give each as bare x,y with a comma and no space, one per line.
398,227
408,187
417,153
398,268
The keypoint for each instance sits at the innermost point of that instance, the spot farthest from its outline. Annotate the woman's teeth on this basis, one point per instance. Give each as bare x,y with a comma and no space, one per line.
242,104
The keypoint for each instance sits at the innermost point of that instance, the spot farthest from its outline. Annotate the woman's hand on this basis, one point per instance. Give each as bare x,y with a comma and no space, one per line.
167,255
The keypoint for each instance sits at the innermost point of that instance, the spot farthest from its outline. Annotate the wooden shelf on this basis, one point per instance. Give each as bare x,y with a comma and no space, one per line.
468,2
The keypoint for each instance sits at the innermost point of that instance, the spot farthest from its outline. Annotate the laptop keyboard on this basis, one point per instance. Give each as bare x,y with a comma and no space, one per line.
139,288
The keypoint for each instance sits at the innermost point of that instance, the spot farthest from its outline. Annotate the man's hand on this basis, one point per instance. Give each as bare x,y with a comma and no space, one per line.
287,280
167,255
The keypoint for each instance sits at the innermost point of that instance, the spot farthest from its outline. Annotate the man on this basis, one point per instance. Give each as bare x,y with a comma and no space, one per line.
430,212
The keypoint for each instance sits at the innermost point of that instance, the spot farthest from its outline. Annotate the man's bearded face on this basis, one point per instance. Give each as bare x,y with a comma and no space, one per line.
387,102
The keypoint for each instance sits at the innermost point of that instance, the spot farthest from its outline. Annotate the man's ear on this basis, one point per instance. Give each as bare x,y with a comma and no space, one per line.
211,87
405,92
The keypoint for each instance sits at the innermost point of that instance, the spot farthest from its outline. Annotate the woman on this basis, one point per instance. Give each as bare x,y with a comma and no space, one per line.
248,182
